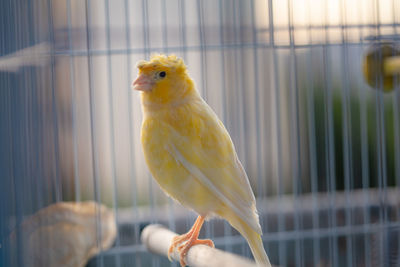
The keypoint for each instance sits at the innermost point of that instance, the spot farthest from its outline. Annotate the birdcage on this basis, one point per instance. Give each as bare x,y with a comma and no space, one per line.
299,84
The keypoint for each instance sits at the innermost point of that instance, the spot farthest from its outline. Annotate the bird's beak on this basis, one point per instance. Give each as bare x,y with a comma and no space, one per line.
143,83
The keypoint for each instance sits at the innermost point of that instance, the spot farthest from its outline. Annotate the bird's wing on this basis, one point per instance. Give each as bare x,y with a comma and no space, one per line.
207,152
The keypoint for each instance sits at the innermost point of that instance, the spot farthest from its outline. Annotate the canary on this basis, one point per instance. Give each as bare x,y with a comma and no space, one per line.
381,66
191,155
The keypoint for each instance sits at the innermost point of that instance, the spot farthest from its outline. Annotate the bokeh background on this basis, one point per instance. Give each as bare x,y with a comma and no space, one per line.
321,147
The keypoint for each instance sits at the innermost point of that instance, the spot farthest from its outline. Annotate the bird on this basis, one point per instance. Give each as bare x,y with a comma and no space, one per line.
381,66
190,154
65,234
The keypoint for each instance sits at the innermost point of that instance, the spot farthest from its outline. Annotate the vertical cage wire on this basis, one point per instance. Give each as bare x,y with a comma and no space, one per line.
312,148
347,155
396,122
365,165
277,126
380,140
295,137
93,129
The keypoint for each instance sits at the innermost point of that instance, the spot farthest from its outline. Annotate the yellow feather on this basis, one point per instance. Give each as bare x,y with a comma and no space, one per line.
190,153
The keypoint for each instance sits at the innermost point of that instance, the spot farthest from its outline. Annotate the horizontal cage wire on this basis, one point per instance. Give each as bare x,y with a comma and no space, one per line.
314,118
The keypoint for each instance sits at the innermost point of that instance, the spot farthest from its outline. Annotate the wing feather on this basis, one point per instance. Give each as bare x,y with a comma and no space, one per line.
210,157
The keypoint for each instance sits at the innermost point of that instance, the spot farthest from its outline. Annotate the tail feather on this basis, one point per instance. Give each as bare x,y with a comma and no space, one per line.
257,248
254,240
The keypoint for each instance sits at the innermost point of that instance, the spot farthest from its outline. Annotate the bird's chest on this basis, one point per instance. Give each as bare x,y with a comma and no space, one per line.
158,136
158,140
177,128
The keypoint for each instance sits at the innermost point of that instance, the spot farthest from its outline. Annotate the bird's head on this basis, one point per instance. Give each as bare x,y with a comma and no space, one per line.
163,79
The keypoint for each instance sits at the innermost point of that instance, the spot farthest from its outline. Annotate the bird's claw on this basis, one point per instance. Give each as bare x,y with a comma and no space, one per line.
175,242
206,242
184,248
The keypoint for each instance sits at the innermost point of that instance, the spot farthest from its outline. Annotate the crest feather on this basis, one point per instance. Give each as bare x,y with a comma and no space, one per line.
160,60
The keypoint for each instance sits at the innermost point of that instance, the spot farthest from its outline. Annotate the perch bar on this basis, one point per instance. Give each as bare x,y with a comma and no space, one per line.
157,240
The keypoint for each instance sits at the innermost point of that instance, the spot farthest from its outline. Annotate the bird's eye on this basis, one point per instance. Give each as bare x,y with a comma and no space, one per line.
162,74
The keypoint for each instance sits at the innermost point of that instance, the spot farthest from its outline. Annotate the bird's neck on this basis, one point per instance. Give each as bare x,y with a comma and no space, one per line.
187,93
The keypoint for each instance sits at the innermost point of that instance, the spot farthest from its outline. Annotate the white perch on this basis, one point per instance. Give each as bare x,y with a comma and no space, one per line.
157,239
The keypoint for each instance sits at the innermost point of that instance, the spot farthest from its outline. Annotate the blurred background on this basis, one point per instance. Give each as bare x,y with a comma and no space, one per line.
321,147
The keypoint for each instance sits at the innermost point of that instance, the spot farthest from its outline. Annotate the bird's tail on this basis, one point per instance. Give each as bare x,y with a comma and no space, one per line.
257,248
255,242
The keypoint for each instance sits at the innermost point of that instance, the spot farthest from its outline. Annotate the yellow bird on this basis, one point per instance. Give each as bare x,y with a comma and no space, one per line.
191,155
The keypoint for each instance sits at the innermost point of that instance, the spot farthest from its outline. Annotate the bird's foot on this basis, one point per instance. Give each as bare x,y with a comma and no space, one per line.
189,239
184,248
176,241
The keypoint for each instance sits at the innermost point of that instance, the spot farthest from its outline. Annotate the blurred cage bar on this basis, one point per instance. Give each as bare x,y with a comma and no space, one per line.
320,146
